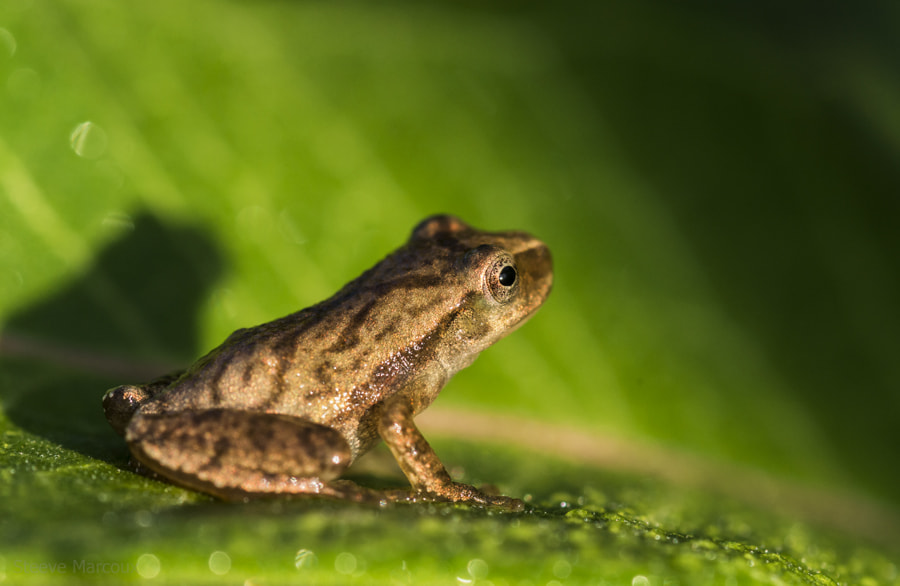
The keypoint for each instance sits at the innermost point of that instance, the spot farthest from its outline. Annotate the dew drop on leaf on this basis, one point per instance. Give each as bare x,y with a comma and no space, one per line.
88,140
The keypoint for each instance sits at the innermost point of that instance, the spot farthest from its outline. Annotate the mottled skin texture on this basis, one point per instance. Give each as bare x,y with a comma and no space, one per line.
285,407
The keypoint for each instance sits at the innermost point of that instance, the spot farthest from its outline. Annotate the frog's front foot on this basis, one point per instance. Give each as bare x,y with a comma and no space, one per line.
458,492
495,499
475,496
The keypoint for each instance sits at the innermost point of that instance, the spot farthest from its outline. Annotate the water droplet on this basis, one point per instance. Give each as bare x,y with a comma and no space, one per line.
304,559
143,518
640,581
254,223
345,563
401,576
562,569
118,221
88,140
219,563
110,518
477,568
148,565
7,42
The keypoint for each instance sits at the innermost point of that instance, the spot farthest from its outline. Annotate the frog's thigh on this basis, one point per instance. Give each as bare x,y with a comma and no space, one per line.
237,453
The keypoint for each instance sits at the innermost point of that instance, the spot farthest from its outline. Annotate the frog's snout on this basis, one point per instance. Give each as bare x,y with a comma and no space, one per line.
535,265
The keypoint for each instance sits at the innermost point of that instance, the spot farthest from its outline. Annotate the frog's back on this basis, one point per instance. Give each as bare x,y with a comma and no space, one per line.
329,362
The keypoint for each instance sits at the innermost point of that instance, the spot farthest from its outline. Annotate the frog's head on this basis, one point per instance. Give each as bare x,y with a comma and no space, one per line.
500,278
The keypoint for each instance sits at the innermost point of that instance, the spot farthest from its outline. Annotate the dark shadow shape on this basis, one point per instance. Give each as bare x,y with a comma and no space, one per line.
131,316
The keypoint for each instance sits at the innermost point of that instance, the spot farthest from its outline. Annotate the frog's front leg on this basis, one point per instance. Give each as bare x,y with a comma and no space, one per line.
239,454
421,465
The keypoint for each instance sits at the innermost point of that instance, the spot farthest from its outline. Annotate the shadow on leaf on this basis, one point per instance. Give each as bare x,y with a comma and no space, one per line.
129,317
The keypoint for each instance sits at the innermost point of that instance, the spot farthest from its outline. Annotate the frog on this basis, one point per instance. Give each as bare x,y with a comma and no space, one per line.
282,409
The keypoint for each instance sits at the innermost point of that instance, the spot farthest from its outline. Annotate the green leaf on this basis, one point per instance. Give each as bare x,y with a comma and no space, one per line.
709,395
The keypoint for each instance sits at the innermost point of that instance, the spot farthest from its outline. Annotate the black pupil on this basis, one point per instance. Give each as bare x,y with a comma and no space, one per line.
507,276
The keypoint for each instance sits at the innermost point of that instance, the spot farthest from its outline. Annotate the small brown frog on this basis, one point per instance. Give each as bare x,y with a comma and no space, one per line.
283,408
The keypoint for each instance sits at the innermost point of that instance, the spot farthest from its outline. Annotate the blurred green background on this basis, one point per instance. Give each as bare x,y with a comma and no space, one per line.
719,184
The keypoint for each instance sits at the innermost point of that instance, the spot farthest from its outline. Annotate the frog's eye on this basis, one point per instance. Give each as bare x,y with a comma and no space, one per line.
502,279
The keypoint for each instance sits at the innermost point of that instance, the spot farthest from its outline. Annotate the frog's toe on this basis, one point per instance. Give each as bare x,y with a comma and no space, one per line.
464,493
510,504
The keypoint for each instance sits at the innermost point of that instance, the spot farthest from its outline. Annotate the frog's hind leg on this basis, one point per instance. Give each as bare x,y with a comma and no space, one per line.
239,454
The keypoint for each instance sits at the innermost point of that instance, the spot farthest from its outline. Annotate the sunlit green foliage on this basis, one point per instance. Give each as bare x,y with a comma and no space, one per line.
719,190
